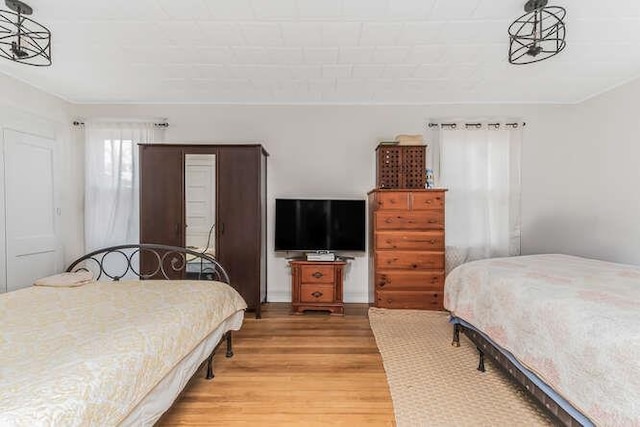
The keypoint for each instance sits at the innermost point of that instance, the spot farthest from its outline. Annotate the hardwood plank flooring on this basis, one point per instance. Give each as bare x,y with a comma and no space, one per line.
310,369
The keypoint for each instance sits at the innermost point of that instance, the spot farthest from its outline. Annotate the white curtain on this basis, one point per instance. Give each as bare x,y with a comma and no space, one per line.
111,181
480,166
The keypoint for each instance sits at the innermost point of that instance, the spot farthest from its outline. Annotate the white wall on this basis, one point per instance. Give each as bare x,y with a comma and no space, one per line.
318,151
579,170
29,110
587,198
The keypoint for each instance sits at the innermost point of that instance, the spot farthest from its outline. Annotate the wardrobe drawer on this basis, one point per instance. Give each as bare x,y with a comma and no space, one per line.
316,274
316,293
417,240
410,260
416,300
409,280
427,200
394,201
418,220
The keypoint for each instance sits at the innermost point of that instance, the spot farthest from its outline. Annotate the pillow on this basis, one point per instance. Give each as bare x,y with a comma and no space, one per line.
66,280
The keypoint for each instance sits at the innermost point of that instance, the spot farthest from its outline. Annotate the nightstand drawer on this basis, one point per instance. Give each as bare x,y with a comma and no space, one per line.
410,220
417,240
409,260
317,274
316,292
410,300
409,280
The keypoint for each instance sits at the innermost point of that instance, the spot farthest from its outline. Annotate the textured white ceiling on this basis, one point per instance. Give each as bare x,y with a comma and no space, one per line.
324,51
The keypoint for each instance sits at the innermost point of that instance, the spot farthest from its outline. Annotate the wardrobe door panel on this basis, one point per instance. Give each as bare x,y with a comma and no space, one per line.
239,210
161,199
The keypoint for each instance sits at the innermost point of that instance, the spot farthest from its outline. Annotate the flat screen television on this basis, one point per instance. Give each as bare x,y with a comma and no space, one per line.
320,225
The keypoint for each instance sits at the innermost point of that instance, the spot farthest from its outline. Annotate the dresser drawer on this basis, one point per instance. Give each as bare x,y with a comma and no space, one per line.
316,274
316,293
409,260
416,300
417,240
393,201
391,280
414,220
427,200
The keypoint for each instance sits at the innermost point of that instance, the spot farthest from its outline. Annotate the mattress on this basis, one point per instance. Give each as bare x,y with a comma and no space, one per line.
89,355
574,322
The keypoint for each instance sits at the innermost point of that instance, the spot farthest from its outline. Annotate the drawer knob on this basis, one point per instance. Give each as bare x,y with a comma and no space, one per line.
414,265
316,294
433,221
317,275
383,280
432,241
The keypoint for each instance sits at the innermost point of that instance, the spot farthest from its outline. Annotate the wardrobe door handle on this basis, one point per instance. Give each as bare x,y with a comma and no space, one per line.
222,228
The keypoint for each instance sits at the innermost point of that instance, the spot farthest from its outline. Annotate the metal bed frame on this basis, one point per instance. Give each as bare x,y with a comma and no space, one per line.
560,411
162,262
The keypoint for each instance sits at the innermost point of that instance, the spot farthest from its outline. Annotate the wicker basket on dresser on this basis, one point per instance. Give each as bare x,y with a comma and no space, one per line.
407,248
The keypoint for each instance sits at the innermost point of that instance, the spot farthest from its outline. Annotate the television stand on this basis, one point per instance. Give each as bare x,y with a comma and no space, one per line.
317,285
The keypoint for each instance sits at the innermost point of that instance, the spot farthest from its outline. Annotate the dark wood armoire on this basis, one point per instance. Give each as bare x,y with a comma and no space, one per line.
240,208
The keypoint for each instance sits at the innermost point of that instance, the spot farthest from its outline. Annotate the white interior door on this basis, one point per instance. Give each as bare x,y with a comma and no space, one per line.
200,188
31,244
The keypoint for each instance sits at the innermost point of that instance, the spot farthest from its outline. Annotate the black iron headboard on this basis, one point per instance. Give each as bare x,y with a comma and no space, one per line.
161,262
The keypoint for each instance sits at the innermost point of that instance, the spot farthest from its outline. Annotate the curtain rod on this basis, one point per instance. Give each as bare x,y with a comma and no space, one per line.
496,125
159,125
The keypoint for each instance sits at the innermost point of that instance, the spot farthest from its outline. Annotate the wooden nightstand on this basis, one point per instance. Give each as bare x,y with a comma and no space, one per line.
317,285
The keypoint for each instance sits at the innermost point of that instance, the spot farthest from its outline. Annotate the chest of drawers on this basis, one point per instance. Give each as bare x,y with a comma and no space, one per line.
407,248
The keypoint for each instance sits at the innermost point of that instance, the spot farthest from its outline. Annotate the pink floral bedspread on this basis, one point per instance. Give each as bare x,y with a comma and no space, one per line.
573,321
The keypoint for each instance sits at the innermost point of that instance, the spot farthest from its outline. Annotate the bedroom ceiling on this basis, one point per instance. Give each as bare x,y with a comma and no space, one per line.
324,51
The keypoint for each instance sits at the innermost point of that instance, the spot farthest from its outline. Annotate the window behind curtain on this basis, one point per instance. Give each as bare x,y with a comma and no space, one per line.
111,181
481,170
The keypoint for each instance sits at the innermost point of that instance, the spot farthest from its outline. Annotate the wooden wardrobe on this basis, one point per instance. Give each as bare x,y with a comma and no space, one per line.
240,208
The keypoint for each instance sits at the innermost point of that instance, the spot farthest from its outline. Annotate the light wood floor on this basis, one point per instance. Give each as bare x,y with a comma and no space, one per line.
311,369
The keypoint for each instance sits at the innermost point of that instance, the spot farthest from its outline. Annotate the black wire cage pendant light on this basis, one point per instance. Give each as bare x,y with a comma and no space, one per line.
22,39
538,34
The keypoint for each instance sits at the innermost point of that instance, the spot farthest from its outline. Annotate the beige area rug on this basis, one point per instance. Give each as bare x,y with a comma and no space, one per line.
433,383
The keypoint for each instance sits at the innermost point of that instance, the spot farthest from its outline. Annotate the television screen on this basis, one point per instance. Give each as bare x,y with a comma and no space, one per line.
320,225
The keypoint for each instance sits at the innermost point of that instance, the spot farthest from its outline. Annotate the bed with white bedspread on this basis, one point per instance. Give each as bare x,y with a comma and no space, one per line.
107,353
572,322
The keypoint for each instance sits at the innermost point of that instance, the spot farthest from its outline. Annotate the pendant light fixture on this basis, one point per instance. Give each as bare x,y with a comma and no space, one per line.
538,34
22,39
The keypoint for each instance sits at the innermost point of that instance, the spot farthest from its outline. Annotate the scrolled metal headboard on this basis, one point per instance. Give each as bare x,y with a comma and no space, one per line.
161,262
